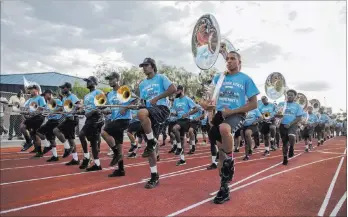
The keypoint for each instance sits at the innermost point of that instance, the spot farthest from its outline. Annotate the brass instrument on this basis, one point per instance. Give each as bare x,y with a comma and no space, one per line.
315,104
266,116
53,105
124,94
301,99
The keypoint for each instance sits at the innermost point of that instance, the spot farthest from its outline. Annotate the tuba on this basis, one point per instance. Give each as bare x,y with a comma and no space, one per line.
315,104
301,99
68,106
53,105
124,93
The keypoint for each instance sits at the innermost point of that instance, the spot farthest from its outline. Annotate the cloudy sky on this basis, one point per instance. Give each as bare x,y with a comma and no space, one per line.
305,41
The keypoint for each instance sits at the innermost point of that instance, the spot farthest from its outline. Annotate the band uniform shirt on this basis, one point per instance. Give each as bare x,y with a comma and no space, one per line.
312,119
292,111
324,119
39,100
198,113
112,99
134,115
234,91
183,106
267,108
2,99
204,121
55,116
73,99
15,100
252,116
151,88
172,116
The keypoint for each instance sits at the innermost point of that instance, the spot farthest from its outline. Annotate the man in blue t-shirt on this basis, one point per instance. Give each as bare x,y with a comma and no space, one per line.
184,107
65,131
288,126
92,127
33,120
231,105
154,90
310,120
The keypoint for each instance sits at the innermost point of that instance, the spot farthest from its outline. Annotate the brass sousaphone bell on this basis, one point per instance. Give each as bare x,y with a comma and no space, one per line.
315,104
301,99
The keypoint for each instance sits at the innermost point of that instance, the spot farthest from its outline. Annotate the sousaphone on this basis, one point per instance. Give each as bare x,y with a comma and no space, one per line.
315,104
275,86
301,99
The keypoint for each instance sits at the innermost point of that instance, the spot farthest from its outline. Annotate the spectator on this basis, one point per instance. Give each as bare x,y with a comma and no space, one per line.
15,116
3,101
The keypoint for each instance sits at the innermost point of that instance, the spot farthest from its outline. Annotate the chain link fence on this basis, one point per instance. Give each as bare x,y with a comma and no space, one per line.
12,122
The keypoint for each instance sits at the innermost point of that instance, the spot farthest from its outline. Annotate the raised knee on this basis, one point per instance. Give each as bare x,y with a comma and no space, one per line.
143,113
225,129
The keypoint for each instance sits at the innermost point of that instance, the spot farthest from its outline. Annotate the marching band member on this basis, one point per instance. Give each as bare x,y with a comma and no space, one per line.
338,127
172,122
154,90
33,121
268,128
120,118
184,107
288,125
65,131
322,129
195,120
309,124
92,127
45,132
250,128
231,107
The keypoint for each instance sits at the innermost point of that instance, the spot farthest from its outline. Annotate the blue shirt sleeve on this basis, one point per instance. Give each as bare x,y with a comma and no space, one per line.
251,89
299,111
190,103
74,99
165,81
59,102
41,101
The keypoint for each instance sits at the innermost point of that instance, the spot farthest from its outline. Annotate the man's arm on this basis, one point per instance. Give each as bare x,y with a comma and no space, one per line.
171,89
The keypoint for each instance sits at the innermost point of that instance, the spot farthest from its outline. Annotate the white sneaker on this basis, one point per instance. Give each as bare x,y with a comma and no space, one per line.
110,153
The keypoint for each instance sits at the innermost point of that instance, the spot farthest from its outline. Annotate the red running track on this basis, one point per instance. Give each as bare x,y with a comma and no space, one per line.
261,186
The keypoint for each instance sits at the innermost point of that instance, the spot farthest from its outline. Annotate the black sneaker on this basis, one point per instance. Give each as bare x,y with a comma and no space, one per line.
53,158
190,152
173,149
132,155
212,166
117,173
26,146
150,148
116,159
67,152
291,154
306,150
180,162
223,195
250,152
132,149
236,150
179,151
153,182
246,158
94,168
38,154
285,161
85,163
46,149
266,153
73,162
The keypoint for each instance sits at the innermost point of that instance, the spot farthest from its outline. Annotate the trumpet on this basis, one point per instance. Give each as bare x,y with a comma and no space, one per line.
124,95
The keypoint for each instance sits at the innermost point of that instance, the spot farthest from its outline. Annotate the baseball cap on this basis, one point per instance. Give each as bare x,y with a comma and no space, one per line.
67,85
264,97
112,76
92,78
47,91
147,61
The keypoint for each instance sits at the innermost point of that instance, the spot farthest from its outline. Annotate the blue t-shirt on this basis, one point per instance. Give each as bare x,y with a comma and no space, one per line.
234,91
183,106
55,116
134,115
252,116
150,88
112,99
39,100
197,114
324,119
88,100
292,111
73,99
204,121
267,108
172,117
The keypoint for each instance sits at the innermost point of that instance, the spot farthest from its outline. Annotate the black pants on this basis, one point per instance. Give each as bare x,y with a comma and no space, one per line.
15,121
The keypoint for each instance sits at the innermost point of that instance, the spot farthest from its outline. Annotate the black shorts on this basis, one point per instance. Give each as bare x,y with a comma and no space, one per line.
205,128
34,123
116,128
284,133
184,126
158,115
254,129
237,133
67,127
235,121
92,129
194,125
307,132
265,128
170,126
135,127
47,129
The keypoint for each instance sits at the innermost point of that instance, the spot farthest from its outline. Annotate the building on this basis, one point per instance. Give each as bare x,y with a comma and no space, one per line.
47,80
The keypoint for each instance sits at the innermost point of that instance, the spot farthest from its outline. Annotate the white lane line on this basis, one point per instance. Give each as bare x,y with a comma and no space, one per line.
250,183
327,152
332,185
339,205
